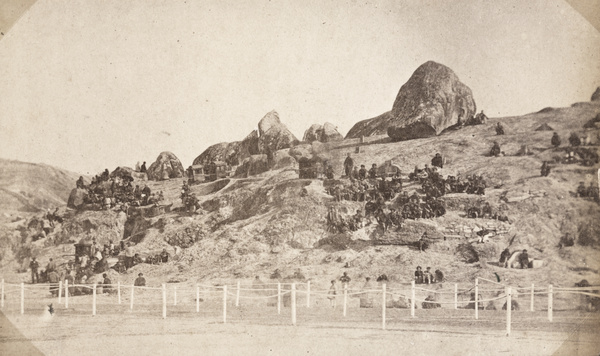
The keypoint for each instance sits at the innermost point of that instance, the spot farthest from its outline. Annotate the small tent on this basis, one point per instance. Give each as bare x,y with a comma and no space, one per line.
544,127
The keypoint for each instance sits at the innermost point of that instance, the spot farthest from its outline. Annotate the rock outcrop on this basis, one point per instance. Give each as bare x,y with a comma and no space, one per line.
322,133
271,135
166,166
596,95
76,197
431,101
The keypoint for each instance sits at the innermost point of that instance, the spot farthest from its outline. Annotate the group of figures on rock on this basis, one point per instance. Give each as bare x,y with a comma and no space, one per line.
108,192
384,197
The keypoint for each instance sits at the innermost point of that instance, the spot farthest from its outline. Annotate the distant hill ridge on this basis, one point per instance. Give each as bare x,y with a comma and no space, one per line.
32,186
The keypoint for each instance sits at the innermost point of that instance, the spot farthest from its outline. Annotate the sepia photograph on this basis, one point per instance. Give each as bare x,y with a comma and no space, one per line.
299,177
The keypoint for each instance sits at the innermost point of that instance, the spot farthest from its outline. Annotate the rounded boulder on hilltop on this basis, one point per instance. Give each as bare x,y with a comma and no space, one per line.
166,166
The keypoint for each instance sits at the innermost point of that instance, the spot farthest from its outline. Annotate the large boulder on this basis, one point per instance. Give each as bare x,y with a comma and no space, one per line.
252,165
322,133
166,166
432,100
273,135
596,95
76,197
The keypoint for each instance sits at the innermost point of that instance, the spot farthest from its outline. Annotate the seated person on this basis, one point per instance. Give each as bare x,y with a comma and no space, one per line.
140,281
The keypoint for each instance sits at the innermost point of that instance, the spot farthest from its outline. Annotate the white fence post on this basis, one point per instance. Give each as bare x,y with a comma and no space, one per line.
508,309
531,300
174,295
164,301
119,292
67,294
197,299
383,302
550,303
94,300
278,298
308,294
476,298
345,297
131,298
22,298
224,304
2,297
59,291
293,303
237,295
412,299
455,296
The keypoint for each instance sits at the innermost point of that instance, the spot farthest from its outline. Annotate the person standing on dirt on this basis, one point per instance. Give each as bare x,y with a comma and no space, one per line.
348,165
332,293
106,284
418,275
545,170
555,141
524,259
51,266
128,256
34,265
345,279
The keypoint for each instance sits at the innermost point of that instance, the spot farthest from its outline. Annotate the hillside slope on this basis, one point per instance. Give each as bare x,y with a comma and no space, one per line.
252,226
30,187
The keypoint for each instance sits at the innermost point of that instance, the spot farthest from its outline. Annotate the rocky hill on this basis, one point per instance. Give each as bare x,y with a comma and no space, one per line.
432,100
249,226
30,187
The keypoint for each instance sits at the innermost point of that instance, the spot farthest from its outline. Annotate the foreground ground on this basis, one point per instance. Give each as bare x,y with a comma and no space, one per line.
257,329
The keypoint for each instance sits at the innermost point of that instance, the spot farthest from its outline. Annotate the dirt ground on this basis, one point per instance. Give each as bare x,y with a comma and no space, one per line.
257,329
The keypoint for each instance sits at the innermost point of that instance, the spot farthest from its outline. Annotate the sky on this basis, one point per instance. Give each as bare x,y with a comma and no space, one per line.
94,84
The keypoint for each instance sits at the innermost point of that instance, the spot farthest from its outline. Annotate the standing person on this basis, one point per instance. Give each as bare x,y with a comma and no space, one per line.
345,279
143,168
332,294
524,259
34,265
51,266
418,275
348,165
106,284
555,140
128,256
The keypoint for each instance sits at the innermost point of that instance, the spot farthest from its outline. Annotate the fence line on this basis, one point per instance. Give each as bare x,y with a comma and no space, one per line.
291,295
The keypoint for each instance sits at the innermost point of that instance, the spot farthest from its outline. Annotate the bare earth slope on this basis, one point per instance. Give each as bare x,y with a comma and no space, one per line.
31,187
252,226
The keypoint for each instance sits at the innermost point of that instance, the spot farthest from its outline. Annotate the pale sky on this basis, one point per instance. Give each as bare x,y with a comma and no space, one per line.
93,84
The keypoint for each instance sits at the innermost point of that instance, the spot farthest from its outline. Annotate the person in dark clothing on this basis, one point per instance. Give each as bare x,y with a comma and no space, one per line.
574,139
143,168
146,192
495,151
373,171
419,275
80,184
140,281
345,279
34,265
348,165
106,284
362,172
329,172
439,276
545,170
437,161
164,256
499,129
524,259
504,256
51,266
555,140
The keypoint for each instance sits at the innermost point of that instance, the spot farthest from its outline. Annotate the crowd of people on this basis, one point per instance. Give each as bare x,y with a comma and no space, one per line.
109,192
590,192
428,277
387,202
